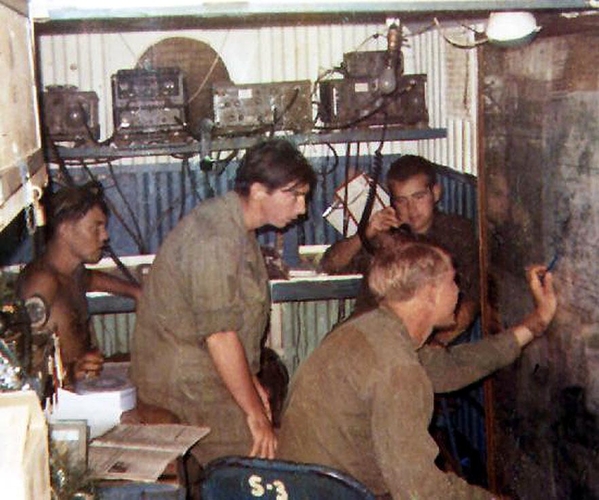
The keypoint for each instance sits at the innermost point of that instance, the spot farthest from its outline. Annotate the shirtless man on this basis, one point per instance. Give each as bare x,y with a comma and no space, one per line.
77,235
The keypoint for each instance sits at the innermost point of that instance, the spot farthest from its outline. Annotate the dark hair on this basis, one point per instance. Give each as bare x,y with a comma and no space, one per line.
407,166
274,163
397,272
71,203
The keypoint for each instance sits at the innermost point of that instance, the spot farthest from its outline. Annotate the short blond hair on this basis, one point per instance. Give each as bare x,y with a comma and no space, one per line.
396,273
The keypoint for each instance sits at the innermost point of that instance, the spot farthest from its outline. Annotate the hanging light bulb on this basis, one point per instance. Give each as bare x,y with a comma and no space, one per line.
388,77
511,29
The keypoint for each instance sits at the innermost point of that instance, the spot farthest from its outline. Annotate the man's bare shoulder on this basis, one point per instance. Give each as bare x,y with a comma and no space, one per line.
37,279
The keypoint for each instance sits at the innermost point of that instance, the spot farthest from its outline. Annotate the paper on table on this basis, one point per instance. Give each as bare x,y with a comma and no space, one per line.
140,452
167,437
127,464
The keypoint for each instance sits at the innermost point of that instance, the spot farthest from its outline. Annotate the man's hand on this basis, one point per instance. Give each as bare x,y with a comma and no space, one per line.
263,393
382,221
88,366
265,441
228,356
540,282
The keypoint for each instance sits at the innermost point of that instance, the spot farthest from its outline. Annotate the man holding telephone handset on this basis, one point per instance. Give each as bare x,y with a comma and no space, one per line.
414,191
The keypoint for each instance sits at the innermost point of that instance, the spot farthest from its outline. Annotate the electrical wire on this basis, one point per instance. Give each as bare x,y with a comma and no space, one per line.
62,167
210,70
350,124
472,45
288,106
368,206
140,245
225,162
182,190
119,263
192,182
374,36
127,205
335,163
346,213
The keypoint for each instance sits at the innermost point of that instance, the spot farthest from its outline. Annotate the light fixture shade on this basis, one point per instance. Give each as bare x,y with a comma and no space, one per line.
510,29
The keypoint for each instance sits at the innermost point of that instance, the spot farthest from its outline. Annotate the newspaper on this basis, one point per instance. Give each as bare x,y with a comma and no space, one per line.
139,452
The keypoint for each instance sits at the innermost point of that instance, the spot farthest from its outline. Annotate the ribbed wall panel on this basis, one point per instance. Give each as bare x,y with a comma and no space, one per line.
303,325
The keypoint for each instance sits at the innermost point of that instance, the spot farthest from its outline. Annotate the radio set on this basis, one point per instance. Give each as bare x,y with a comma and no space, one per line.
359,101
150,105
248,107
369,63
70,114
373,92
148,101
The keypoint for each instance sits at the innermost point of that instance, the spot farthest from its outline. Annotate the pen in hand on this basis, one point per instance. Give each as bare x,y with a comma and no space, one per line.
550,266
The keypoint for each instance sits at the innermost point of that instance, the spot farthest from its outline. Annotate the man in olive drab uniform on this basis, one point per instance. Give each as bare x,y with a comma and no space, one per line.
415,192
196,345
363,400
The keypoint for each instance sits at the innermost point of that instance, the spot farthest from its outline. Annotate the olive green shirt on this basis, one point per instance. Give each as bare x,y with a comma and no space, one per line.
363,400
208,276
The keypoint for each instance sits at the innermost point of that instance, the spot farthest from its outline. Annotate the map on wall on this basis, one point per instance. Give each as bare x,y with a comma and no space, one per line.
573,144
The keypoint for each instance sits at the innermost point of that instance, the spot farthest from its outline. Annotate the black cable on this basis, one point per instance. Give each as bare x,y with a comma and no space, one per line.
119,263
226,162
182,190
368,114
160,219
335,163
127,205
192,182
376,173
62,167
346,213
209,191
288,106
111,206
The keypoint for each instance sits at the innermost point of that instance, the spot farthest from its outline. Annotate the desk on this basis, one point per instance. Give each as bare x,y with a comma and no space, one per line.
304,311
317,287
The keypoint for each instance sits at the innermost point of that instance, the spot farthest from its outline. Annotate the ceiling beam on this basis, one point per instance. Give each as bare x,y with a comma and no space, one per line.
114,9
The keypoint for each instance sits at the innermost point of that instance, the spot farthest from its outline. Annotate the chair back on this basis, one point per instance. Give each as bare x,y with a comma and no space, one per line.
243,478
